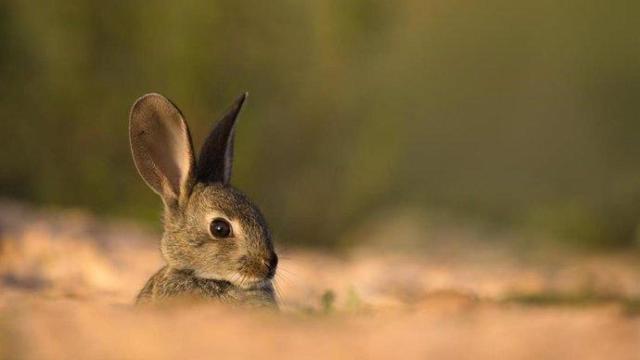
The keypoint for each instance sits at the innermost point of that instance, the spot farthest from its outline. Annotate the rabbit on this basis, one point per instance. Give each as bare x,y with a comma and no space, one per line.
216,242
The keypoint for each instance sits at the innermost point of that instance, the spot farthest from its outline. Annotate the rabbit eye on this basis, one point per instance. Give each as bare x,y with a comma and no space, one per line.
220,228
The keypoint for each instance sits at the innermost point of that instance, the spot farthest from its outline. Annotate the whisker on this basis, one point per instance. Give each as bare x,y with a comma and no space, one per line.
276,286
283,277
279,296
288,276
286,273
234,278
284,269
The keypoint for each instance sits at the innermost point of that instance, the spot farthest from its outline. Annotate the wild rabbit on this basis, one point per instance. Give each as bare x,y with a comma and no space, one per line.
216,242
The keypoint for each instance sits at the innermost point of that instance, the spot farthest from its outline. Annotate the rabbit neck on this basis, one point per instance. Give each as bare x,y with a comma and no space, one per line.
259,296
208,286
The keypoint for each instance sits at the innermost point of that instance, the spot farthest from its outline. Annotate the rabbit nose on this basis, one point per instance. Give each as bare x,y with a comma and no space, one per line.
272,264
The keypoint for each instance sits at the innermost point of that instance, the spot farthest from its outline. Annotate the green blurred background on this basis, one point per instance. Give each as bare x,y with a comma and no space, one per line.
520,114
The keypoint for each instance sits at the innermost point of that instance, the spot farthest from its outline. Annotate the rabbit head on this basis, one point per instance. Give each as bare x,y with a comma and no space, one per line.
210,228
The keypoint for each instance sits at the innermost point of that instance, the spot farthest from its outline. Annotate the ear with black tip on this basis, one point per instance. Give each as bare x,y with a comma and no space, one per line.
161,147
216,155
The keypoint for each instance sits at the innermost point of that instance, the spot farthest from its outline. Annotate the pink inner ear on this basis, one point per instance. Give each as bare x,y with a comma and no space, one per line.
166,146
181,153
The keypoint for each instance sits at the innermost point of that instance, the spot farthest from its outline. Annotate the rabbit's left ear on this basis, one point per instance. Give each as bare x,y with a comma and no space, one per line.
161,147
216,155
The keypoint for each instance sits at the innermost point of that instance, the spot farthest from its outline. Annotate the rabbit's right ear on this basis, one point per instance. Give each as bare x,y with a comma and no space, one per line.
161,147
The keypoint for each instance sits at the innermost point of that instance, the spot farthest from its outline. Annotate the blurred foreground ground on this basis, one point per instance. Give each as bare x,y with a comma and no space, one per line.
67,282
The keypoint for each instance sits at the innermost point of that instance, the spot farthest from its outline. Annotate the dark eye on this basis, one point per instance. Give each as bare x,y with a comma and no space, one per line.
220,228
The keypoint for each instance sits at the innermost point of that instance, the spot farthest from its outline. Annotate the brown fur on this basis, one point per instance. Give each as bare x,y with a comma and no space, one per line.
200,266
171,285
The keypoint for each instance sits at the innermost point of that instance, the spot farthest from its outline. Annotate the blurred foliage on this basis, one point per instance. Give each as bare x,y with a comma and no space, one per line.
327,300
520,113
630,305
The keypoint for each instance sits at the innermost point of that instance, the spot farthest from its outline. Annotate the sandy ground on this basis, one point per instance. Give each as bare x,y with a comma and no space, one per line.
67,282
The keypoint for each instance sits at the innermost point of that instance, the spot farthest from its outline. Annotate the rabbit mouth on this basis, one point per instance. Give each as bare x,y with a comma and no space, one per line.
257,284
249,280
239,280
